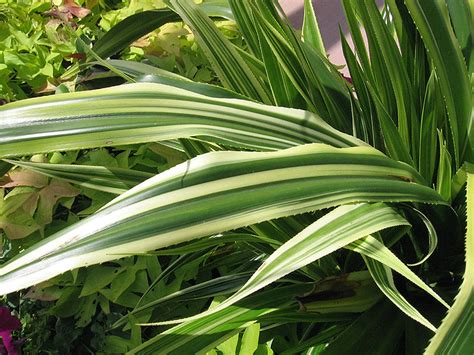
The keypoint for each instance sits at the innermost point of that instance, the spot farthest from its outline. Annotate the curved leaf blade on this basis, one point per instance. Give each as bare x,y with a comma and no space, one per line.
383,277
107,179
374,249
335,230
144,112
216,192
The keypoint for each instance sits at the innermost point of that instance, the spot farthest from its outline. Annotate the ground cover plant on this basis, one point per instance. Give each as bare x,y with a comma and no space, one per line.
221,188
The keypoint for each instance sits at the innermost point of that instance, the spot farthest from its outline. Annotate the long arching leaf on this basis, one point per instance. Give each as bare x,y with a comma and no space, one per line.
216,192
107,179
144,112
335,230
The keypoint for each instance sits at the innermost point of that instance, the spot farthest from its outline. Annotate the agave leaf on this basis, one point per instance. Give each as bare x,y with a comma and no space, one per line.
144,112
384,279
374,249
213,193
335,230
454,336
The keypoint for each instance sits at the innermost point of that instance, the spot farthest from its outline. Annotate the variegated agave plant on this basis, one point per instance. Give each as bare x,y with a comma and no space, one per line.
332,185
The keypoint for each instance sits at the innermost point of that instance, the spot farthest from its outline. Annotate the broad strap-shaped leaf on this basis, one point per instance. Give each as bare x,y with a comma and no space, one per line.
107,179
456,332
335,230
433,23
144,112
216,192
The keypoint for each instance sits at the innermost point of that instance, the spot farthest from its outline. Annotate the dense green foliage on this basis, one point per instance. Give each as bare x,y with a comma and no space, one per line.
227,188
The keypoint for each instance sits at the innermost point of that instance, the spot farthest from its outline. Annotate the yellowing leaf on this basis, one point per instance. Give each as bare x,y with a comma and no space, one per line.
49,196
18,225
20,177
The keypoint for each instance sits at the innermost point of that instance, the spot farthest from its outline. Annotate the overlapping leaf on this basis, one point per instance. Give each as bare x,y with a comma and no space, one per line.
338,228
454,336
216,192
144,112
113,180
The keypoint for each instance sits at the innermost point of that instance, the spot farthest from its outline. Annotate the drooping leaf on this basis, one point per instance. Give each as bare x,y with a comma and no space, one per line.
216,192
113,180
384,279
374,249
145,112
335,230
